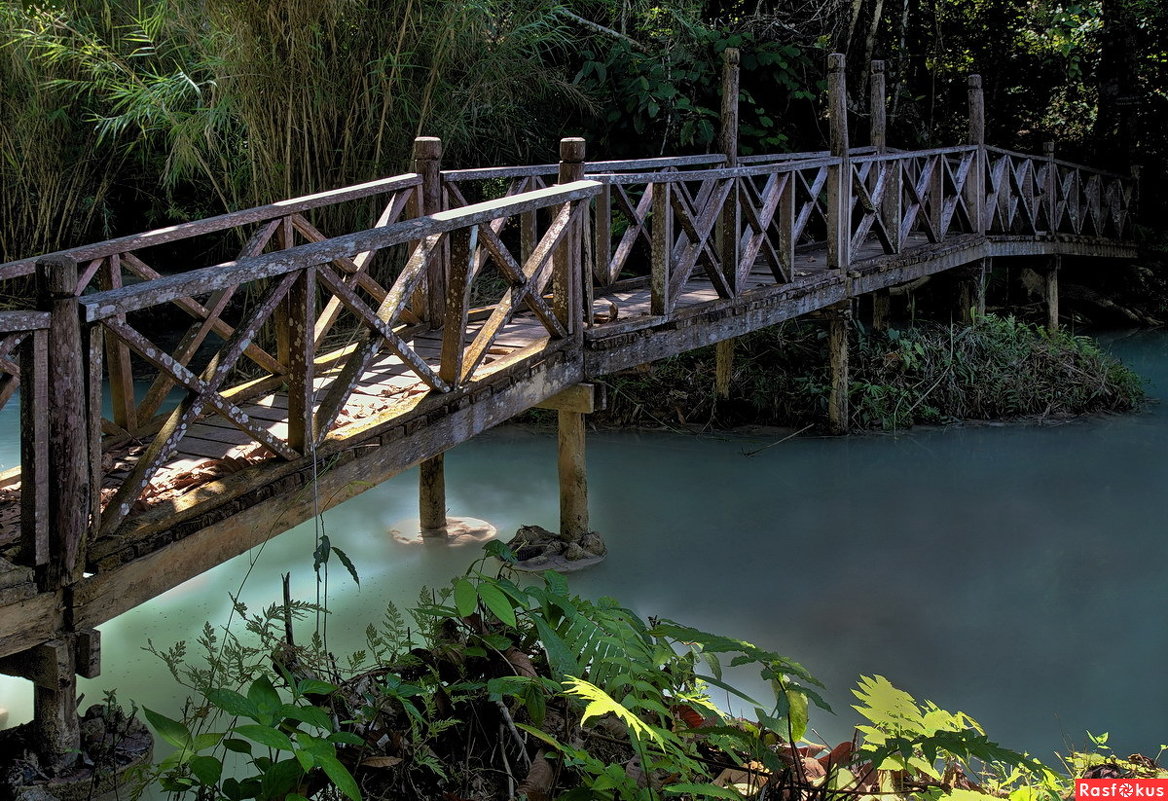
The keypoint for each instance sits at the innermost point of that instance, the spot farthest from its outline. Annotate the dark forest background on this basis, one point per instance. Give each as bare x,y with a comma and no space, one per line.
121,115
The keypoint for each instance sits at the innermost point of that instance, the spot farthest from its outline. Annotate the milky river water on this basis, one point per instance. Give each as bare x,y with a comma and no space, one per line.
1017,573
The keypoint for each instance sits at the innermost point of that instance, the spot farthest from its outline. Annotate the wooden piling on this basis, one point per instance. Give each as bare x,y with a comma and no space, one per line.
432,496
972,292
839,316
881,309
1050,291
573,474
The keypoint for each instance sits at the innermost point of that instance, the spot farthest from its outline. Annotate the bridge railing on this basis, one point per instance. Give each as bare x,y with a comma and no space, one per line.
288,296
1029,195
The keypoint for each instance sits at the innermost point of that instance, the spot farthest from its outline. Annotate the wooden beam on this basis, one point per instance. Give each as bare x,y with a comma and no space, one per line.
432,495
582,398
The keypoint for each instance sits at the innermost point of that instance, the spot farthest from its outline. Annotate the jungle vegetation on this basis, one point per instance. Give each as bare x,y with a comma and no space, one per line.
119,115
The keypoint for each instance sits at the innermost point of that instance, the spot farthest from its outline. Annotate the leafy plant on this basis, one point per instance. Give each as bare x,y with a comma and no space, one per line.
283,744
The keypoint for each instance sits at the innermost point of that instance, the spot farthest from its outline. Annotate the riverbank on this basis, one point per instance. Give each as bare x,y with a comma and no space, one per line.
994,369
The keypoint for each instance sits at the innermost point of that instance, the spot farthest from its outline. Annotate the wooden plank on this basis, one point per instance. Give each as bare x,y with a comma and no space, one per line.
112,592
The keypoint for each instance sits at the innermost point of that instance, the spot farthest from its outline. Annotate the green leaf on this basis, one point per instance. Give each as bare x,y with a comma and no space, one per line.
346,738
320,555
315,687
207,770
201,742
172,731
234,704
466,599
556,583
237,745
497,641
265,735
312,715
266,699
340,776
498,603
348,563
540,734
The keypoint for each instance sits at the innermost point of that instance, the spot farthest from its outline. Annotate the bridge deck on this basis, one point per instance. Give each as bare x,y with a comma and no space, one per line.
213,470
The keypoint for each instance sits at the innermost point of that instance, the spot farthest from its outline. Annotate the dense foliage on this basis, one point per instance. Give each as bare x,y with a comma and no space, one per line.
508,688
116,115
996,368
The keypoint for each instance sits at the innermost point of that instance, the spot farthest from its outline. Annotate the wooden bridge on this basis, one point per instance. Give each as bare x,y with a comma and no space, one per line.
316,365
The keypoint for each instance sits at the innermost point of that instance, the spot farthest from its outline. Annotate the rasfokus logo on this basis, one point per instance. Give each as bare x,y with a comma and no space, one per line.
1121,789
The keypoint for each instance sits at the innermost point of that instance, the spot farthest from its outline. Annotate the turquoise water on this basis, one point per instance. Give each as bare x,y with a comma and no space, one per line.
1017,573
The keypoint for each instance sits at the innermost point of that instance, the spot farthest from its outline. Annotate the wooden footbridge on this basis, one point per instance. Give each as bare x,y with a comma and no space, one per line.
315,365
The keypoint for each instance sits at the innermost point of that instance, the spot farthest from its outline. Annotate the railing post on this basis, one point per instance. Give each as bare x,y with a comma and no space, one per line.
55,707
660,301
890,205
567,277
428,164
975,183
877,108
839,181
297,317
1051,188
728,229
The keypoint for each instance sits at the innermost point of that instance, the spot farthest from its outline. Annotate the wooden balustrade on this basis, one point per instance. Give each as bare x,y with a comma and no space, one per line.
324,274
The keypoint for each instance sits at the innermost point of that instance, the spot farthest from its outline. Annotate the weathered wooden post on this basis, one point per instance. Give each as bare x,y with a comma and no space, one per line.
431,306
972,291
890,204
571,464
660,299
728,229
567,276
877,109
1050,291
839,181
972,288
839,316
57,732
975,182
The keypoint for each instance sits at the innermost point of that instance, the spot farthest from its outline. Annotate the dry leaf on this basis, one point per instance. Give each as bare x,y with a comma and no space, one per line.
380,762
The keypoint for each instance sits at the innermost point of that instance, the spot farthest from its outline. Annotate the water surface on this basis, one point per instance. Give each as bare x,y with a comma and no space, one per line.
1016,573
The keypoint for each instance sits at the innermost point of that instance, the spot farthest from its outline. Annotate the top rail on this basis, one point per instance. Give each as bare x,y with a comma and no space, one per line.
102,305
221,222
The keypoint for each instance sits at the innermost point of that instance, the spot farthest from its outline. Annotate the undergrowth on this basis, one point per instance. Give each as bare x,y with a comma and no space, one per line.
497,687
995,368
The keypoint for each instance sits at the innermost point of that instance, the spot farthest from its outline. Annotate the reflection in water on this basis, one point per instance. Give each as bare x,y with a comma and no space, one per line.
1015,573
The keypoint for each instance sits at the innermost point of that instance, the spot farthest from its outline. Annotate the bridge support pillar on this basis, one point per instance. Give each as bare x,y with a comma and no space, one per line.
432,496
839,316
1050,293
972,292
881,309
575,546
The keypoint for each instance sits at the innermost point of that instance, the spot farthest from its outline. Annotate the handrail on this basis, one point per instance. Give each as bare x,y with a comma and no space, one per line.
220,222
102,305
